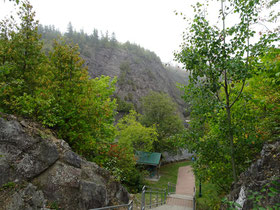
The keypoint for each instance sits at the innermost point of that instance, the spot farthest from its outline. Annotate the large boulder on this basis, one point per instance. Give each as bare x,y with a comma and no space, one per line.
38,171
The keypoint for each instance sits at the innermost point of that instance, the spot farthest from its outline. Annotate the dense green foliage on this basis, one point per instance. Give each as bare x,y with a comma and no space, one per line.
54,89
45,79
159,110
225,93
264,89
210,196
121,162
133,136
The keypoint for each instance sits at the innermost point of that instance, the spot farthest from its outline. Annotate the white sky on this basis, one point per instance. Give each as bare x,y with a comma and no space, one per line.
150,23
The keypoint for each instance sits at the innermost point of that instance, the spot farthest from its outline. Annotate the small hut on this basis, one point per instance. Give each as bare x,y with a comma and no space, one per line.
151,161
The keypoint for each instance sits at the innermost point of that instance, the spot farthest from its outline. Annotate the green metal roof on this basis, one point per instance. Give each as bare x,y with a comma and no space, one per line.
148,158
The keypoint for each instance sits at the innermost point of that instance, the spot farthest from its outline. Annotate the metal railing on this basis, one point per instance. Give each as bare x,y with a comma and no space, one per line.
153,197
150,197
171,188
128,206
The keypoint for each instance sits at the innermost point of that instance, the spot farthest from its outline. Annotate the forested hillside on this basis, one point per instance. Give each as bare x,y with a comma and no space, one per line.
61,82
108,100
138,70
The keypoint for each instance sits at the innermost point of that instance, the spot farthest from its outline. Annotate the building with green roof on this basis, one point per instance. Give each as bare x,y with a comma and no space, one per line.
150,160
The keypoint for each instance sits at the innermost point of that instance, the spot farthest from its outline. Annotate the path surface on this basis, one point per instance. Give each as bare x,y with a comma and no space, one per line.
183,199
185,181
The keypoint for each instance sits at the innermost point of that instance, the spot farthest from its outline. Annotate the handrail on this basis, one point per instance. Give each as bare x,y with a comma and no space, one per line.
194,201
159,195
171,188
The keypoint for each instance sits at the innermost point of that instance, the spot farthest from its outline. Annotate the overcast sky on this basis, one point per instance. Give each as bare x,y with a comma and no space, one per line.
150,23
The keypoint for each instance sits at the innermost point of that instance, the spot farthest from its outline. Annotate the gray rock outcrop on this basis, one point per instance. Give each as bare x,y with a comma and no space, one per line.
182,154
261,181
143,74
39,171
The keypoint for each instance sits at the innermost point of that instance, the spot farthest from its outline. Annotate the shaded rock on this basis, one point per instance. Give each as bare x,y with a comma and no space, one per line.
262,178
27,198
182,154
64,178
22,155
93,195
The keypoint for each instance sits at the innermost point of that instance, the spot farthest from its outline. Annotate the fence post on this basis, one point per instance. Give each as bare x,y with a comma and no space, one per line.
164,196
157,198
161,197
143,198
150,199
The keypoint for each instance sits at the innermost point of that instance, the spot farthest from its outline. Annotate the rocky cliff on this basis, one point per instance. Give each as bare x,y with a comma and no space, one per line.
39,171
259,185
138,70
138,73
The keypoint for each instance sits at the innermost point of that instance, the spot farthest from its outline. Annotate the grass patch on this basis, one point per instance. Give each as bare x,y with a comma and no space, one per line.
168,173
210,198
9,185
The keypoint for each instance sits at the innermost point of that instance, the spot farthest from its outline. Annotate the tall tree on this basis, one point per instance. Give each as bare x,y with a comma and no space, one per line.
220,60
55,89
70,30
134,136
161,111
22,57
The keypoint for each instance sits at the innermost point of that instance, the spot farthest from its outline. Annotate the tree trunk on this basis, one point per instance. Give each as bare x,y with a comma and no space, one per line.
230,137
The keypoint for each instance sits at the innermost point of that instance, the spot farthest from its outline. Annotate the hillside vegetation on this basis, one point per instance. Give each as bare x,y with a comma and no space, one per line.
138,70
77,90
108,99
233,91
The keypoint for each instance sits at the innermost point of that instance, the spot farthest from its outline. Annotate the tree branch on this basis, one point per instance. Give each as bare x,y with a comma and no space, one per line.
217,95
241,90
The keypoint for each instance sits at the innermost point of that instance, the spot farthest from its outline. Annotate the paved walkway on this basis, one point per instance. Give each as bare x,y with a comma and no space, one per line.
185,181
183,199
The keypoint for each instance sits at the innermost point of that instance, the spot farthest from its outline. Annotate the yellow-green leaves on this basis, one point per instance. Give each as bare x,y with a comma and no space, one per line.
55,89
134,136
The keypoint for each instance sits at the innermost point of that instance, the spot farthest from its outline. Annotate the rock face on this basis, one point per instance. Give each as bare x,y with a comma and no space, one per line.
182,154
138,73
39,171
262,179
